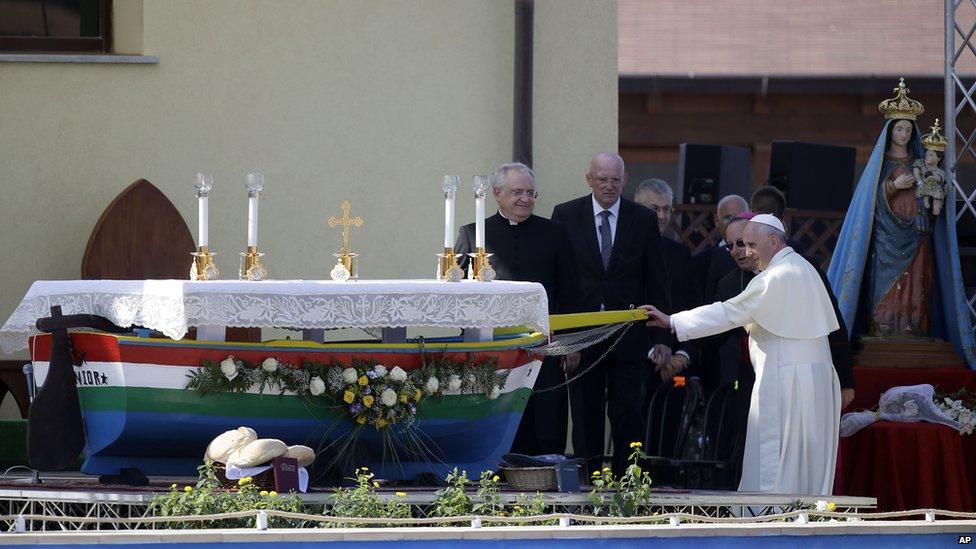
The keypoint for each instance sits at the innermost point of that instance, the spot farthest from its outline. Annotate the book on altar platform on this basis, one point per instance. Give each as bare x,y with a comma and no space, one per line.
285,474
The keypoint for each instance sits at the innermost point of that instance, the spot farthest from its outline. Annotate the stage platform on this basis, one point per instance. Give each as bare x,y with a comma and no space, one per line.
73,495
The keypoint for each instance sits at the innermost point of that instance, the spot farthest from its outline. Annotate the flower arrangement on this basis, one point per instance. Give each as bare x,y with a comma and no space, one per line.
370,393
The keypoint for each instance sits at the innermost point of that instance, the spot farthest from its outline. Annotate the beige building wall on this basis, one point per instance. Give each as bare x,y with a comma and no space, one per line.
366,101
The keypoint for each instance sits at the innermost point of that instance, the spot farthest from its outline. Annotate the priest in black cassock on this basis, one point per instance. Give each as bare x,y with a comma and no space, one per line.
534,249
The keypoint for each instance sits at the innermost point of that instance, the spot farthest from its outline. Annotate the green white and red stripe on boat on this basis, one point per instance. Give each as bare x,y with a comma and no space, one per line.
138,413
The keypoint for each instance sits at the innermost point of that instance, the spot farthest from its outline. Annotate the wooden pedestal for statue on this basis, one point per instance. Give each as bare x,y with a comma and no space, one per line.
878,352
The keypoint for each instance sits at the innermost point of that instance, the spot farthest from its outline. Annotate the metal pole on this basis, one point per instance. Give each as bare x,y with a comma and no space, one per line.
949,120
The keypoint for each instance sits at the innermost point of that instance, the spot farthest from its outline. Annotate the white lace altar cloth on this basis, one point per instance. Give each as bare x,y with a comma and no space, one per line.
171,306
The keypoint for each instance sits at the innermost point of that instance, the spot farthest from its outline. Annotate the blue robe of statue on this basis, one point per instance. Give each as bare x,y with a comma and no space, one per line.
875,244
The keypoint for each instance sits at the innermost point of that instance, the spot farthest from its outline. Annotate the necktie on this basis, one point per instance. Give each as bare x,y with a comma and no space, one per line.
606,242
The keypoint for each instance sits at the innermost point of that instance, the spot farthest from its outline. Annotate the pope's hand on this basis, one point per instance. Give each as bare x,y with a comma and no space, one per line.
655,318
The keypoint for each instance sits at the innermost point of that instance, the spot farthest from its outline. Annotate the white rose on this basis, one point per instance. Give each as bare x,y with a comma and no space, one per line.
453,383
821,505
432,385
388,397
316,386
349,375
270,364
380,370
494,393
229,368
397,374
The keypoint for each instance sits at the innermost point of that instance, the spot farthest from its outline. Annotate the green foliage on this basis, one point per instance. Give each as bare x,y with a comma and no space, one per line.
531,506
453,500
362,501
489,502
208,498
626,496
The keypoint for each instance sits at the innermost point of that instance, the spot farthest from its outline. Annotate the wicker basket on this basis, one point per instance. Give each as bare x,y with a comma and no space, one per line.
264,481
540,479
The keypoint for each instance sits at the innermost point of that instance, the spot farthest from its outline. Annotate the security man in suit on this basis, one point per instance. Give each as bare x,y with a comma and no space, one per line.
617,250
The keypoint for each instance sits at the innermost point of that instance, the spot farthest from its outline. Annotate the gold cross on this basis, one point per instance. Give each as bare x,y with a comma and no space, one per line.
345,222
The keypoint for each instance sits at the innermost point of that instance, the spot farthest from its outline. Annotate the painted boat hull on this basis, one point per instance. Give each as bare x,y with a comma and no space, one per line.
137,412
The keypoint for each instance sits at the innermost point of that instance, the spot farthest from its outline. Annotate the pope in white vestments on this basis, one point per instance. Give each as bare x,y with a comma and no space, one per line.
792,433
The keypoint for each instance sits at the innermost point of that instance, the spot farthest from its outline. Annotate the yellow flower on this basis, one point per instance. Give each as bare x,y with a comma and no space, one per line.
361,419
401,494
244,481
495,478
368,401
263,493
606,469
348,397
273,494
376,484
595,473
363,380
636,445
404,398
380,423
831,506
187,489
417,395
173,486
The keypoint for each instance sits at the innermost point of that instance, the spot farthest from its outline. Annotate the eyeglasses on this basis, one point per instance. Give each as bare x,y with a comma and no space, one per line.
728,219
519,193
666,210
736,244
615,181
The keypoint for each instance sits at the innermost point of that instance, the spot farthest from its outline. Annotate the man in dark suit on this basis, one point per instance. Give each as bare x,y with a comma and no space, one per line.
713,263
617,250
534,249
657,196
731,285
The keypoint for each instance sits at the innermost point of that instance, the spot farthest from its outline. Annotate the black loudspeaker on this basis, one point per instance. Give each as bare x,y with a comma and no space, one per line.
706,173
813,176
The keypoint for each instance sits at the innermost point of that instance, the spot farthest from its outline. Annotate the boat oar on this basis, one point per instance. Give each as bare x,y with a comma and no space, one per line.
581,320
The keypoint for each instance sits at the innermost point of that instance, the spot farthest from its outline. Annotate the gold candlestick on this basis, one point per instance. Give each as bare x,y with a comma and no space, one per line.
203,267
251,266
481,269
447,266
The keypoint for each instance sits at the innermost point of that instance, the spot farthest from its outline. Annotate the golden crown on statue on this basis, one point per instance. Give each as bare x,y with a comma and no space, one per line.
935,141
900,106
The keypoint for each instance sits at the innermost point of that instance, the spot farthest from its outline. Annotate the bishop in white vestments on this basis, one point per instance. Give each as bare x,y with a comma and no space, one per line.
792,433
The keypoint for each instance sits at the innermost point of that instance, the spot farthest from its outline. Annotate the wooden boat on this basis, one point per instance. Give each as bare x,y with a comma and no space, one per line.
138,411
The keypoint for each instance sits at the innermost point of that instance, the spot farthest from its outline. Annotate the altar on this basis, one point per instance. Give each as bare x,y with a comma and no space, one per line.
172,306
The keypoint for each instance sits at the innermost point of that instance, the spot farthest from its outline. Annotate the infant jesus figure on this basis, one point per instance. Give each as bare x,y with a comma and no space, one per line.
929,177
930,181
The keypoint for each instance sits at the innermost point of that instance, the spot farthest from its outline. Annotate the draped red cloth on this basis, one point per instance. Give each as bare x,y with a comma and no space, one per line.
908,465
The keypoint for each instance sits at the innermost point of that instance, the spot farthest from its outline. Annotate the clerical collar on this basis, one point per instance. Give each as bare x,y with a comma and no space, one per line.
597,208
510,222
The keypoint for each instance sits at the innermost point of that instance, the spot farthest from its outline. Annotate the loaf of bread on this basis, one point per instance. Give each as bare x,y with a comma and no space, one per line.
229,442
258,452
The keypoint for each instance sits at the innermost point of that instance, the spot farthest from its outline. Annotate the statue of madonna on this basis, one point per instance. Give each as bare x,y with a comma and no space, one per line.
895,270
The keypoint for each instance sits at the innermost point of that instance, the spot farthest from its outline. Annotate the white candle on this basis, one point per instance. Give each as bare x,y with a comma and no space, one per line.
252,220
479,220
204,185
204,220
448,221
255,183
